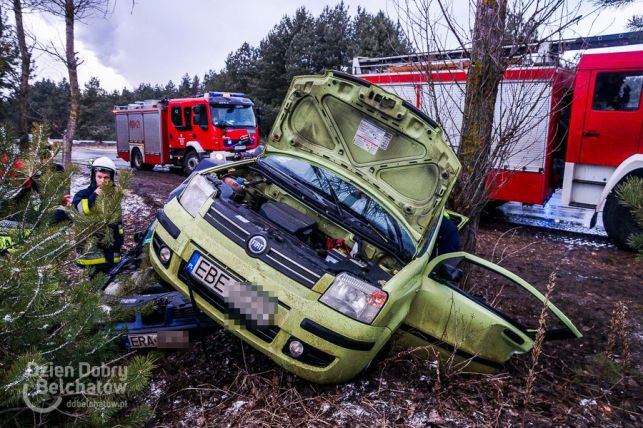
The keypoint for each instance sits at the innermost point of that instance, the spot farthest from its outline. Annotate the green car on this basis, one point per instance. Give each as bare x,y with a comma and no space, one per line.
321,251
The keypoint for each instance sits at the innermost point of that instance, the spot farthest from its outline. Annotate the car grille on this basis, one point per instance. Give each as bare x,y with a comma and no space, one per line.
279,257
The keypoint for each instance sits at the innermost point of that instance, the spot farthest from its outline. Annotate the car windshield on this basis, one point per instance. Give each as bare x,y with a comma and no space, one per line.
350,198
228,115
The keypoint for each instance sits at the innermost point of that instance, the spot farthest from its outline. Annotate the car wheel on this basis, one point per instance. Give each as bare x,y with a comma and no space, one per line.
618,220
190,162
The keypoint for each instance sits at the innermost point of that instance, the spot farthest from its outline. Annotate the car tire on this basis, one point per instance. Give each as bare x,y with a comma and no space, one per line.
618,220
190,162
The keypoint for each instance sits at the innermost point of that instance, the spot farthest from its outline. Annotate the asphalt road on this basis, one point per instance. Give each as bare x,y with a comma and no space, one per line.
82,155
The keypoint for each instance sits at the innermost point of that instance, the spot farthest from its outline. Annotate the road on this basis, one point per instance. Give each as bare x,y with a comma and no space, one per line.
82,155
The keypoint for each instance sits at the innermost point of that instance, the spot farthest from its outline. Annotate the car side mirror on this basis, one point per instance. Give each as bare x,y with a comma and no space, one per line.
258,116
447,272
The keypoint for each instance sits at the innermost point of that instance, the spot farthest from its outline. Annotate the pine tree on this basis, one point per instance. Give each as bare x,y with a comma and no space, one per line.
96,118
630,195
46,318
332,39
376,36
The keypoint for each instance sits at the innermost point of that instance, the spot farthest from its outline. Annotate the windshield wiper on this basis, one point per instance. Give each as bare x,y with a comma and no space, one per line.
320,175
365,222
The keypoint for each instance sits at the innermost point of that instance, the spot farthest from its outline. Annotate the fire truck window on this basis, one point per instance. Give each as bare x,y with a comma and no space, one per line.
618,91
177,119
187,114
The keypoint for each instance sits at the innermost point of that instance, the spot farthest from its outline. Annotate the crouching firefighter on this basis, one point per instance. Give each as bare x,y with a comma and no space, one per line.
103,172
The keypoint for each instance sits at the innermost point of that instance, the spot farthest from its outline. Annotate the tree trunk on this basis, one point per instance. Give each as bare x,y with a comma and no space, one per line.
25,69
74,91
485,73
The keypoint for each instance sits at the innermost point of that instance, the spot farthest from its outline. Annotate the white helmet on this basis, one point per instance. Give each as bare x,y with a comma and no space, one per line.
104,164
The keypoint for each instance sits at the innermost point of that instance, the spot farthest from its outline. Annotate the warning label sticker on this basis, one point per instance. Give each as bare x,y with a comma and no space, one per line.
371,137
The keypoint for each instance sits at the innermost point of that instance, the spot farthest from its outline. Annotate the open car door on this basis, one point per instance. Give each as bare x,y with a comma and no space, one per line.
484,326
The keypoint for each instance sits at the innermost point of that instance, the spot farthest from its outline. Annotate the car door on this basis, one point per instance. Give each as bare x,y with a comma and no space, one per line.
445,320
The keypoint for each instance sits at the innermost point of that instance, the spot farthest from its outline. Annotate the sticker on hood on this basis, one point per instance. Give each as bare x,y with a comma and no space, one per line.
371,138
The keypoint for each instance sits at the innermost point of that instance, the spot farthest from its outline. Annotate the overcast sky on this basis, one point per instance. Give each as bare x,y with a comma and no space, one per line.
160,40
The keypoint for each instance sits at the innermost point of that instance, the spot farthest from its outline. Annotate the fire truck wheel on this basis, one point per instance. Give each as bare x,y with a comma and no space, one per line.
137,160
618,220
190,161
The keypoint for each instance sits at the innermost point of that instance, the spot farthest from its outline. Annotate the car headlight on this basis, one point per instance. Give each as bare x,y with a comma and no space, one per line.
354,298
195,194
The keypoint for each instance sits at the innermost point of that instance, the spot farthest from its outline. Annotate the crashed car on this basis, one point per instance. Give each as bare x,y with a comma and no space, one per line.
319,252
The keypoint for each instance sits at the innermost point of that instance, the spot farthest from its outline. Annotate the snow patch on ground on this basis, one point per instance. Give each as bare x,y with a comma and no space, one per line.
418,420
235,407
349,410
135,204
586,402
157,387
132,203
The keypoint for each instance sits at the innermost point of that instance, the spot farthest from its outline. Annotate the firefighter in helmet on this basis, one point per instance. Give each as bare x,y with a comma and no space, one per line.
103,172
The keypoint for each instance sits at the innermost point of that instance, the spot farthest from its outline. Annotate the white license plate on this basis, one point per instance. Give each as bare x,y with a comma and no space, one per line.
239,148
162,339
209,274
250,303
147,340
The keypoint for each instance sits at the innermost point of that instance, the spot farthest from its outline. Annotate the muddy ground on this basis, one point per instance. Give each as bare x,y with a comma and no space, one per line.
221,381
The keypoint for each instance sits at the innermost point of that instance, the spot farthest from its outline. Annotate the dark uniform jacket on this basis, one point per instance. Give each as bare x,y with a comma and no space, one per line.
84,201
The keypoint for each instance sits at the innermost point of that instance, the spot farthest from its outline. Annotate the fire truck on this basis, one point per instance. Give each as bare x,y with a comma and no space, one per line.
181,132
580,127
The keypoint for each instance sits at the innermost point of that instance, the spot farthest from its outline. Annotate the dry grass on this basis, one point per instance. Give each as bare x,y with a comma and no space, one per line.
618,335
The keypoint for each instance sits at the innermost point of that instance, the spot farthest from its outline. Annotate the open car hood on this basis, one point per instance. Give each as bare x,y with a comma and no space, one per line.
382,143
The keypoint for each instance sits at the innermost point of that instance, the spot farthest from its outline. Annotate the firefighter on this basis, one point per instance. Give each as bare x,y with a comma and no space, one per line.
103,173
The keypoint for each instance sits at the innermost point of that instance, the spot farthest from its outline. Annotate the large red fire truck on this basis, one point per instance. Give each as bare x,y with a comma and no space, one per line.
582,130
183,131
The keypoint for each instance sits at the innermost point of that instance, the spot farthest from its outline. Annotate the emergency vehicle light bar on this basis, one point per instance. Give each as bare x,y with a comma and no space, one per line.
225,94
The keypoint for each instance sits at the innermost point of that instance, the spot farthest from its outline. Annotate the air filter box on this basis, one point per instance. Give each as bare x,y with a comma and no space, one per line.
288,218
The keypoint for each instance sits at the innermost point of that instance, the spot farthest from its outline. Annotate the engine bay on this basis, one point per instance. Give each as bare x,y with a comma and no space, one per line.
255,204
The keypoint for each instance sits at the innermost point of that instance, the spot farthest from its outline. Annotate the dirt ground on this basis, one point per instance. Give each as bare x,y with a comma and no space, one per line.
222,381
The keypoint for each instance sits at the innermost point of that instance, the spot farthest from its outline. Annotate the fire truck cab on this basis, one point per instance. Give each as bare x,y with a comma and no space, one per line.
581,128
605,142
181,132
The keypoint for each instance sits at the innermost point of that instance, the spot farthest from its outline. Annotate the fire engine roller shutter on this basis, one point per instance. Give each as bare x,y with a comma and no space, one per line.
449,97
524,105
135,126
531,99
122,133
152,129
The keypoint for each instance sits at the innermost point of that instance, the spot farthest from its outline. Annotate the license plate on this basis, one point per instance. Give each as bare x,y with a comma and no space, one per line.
147,340
251,304
209,274
239,148
163,339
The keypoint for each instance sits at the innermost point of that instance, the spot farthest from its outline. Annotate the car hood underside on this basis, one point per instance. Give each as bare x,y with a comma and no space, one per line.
382,143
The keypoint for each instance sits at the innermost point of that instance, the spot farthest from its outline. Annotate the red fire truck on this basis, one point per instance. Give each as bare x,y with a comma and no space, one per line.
583,128
183,131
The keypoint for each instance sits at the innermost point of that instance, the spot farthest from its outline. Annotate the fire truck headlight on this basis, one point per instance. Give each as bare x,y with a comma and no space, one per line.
195,194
